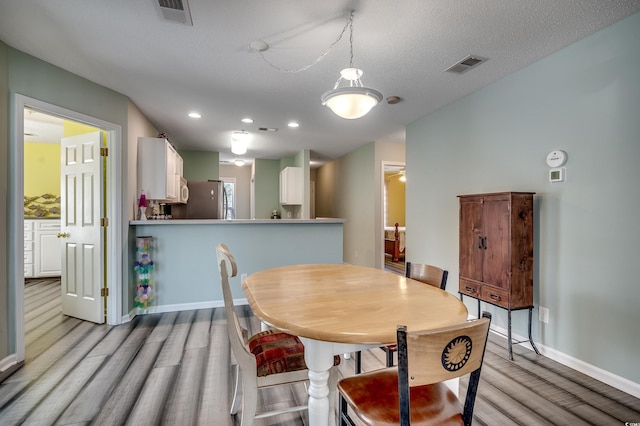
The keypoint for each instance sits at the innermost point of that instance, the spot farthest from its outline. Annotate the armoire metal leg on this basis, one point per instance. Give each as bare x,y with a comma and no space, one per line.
509,334
530,337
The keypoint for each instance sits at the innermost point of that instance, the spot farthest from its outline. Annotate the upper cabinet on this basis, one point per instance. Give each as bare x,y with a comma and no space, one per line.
159,170
291,186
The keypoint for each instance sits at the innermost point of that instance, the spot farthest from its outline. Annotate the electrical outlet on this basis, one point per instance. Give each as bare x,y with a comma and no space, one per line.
543,315
243,277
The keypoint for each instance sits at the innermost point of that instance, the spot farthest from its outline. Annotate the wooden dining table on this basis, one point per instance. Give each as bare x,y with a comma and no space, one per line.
338,308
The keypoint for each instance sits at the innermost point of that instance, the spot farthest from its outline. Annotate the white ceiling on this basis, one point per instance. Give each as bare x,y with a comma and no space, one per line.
169,69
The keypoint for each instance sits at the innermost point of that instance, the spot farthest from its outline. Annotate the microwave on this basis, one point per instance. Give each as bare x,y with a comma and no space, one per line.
183,191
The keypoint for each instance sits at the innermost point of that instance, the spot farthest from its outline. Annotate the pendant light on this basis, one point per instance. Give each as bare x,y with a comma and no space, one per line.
239,142
352,100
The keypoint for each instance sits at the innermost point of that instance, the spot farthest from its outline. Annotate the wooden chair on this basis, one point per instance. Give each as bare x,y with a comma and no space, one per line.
267,359
428,274
415,392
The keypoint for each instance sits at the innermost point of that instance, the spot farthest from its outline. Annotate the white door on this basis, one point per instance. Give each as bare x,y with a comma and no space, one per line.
80,230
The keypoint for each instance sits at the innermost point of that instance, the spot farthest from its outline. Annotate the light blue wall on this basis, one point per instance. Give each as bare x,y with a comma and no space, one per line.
584,99
185,269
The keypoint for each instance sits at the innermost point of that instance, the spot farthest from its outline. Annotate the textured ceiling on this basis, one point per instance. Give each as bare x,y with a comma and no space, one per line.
169,69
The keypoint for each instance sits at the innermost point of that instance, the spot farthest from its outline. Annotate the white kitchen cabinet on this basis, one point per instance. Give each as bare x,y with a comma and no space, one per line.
28,248
42,256
159,170
291,186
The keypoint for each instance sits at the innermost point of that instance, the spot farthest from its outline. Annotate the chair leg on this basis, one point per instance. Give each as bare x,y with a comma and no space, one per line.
344,418
237,397
249,402
358,361
389,357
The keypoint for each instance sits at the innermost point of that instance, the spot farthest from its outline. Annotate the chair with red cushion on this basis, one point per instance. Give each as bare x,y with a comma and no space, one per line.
267,359
427,274
414,392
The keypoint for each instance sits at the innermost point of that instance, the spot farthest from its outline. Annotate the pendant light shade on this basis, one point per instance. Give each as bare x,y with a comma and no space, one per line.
239,142
352,101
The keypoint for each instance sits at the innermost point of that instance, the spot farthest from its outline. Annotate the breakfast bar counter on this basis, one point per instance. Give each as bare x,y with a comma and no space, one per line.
185,273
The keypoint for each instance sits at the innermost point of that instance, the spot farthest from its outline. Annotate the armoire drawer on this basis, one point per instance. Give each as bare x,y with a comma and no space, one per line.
495,296
469,287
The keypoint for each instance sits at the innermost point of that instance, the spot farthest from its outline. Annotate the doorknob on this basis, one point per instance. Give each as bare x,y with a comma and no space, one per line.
62,235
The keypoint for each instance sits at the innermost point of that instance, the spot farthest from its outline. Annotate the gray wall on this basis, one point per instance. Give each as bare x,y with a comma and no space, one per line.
243,185
351,188
4,162
584,99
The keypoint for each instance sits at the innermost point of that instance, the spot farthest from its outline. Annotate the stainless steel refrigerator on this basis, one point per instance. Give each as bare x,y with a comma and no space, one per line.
207,200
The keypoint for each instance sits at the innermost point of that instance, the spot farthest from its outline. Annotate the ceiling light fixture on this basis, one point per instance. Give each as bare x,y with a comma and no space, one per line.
247,120
239,163
293,124
239,142
195,115
354,100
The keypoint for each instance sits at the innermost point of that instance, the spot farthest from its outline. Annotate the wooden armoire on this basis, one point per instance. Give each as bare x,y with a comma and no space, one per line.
496,250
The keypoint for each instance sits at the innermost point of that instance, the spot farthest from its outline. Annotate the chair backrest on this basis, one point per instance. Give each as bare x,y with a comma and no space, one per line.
429,274
237,335
433,356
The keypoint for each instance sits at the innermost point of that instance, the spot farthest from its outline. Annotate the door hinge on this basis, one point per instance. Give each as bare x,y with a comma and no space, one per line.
104,222
104,152
104,292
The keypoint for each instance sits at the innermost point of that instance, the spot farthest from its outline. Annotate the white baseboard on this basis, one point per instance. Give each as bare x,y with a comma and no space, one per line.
618,382
182,307
7,362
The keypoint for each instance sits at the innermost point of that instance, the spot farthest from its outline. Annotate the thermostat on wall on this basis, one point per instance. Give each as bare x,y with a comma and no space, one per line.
557,175
556,158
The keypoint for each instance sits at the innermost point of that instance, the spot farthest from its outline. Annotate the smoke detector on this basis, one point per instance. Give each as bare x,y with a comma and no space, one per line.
175,10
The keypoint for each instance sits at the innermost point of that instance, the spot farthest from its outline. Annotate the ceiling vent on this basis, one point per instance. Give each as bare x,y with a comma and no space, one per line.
466,64
176,11
267,129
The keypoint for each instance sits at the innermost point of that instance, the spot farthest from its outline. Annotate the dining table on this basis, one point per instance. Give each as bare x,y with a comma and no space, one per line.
340,308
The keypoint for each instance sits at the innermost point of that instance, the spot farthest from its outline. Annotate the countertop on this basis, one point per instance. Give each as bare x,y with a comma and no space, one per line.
234,222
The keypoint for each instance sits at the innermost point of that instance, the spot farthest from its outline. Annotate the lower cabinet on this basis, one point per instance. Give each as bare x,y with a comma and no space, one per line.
42,257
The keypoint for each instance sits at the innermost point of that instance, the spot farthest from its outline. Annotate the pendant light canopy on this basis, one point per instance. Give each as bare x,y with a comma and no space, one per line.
352,100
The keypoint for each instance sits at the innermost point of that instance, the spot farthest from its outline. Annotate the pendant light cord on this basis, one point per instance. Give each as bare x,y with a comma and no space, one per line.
349,24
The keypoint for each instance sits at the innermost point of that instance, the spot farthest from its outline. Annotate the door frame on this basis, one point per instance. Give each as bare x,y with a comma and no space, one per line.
114,255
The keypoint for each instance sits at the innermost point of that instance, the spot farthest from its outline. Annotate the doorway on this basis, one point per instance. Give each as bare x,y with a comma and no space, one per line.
113,258
393,211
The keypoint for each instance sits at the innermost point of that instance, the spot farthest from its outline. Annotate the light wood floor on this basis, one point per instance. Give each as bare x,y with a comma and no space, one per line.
174,369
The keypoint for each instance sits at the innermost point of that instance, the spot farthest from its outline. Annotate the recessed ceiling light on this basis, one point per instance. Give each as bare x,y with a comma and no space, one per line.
239,163
194,115
247,120
293,124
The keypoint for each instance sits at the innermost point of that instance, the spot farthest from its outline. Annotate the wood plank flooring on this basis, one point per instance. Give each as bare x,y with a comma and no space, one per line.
174,369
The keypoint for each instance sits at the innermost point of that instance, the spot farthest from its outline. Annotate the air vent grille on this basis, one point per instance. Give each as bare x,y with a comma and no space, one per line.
267,129
175,10
466,64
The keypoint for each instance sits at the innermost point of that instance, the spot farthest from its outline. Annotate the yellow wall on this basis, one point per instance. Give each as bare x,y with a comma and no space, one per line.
42,173
395,201
71,128
41,169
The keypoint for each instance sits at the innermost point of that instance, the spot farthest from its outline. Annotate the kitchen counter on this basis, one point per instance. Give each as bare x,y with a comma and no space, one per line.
234,221
184,255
